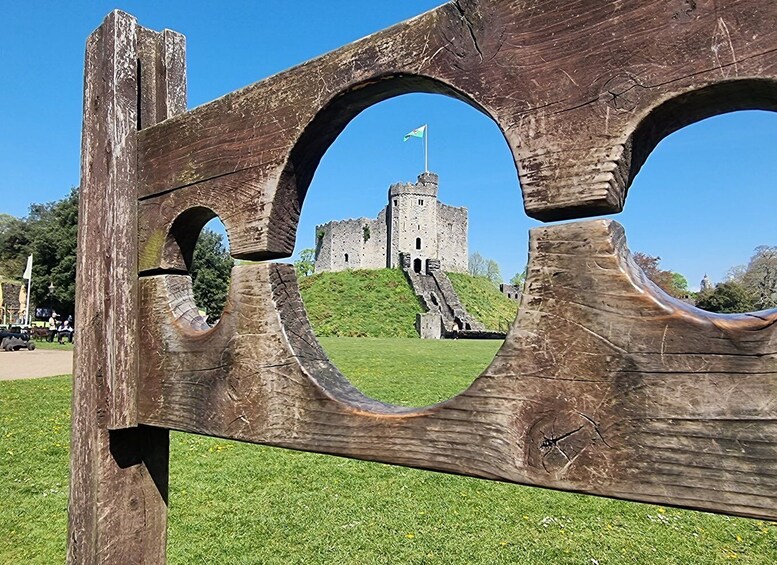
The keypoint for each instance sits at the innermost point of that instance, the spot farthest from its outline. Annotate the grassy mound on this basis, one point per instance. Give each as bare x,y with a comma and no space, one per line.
484,301
363,303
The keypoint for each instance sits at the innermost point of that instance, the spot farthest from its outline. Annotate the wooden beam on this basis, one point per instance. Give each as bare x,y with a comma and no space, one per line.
118,485
605,385
582,91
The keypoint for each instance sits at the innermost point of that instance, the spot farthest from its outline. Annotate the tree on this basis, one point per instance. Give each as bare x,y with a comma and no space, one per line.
210,271
479,266
760,277
727,297
14,246
53,233
476,265
519,278
305,265
680,283
50,233
673,284
493,273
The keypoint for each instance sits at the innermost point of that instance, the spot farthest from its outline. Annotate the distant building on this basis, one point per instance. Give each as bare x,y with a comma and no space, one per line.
413,224
511,291
706,284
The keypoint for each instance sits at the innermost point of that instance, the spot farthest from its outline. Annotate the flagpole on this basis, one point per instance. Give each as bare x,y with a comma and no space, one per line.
426,149
27,312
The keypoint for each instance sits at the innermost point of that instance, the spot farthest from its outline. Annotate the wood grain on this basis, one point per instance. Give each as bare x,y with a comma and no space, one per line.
582,90
605,385
118,485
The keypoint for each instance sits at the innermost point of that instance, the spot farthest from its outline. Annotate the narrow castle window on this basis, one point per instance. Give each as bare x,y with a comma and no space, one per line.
346,257
418,243
395,202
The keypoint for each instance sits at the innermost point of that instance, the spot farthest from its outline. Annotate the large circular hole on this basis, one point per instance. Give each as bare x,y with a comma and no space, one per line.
700,213
413,227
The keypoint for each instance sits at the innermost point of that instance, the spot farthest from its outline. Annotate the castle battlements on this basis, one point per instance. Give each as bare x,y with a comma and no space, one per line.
414,223
427,185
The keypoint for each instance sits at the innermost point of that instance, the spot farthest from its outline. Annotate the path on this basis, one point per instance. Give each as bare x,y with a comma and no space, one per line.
30,364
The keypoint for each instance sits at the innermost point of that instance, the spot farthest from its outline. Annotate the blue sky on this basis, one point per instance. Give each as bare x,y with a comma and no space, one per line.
703,201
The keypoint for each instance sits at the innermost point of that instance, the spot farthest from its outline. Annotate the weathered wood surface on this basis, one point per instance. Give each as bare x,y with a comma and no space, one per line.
605,385
583,90
118,482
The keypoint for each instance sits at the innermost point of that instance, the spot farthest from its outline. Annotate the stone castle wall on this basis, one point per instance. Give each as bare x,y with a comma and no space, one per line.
452,237
351,244
414,222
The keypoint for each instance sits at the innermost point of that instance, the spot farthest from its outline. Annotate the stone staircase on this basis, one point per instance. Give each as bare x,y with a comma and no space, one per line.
436,294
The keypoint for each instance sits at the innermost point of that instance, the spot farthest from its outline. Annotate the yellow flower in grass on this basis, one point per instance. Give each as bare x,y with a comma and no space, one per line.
409,536
730,554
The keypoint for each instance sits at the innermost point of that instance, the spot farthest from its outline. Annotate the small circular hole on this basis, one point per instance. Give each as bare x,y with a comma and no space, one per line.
211,267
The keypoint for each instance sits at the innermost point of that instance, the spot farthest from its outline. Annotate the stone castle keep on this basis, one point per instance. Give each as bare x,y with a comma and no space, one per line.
413,229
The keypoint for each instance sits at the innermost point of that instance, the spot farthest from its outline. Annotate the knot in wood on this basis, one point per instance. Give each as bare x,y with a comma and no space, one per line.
622,93
557,441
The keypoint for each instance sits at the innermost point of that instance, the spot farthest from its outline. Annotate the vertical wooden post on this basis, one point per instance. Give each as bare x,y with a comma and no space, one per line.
119,471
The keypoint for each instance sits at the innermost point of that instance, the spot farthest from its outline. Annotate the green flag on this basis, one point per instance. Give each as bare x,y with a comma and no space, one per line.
417,132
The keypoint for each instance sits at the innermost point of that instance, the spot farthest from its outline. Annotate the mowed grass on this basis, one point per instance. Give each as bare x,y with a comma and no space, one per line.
410,372
54,345
235,503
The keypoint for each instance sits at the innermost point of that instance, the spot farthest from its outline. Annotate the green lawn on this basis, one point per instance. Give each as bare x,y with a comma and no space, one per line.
238,503
54,345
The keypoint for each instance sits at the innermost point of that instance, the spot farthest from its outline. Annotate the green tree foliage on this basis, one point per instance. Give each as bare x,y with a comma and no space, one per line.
54,228
493,273
50,233
211,268
14,246
305,265
680,283
727,297
673,284
519,278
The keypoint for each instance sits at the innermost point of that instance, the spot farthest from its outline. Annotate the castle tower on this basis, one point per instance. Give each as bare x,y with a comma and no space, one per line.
414,224
412,215
706,283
